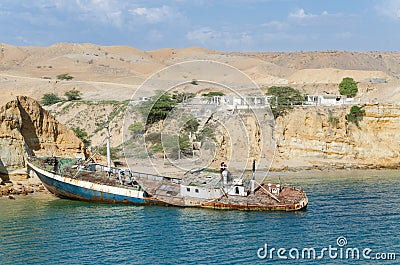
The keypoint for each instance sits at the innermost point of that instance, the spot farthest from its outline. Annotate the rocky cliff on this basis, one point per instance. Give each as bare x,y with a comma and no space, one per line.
320,137
241,138
313,137
307,137
27,129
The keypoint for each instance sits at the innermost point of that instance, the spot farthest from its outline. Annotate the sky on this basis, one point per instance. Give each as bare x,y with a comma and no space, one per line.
224,25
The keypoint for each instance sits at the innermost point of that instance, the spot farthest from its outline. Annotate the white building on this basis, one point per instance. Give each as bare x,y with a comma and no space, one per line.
327,100
232,102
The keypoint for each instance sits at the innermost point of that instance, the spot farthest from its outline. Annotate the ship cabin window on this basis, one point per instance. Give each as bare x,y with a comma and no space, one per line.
237,190
196,190
188,189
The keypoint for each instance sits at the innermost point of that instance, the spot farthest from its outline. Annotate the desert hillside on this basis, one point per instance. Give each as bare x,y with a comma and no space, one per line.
109,76
114,72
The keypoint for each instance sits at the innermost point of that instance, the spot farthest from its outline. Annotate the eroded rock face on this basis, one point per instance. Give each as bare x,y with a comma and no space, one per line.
320,136
312,137
242,138
27,129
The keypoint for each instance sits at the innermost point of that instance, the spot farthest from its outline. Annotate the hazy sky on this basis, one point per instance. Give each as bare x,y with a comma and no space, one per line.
235,25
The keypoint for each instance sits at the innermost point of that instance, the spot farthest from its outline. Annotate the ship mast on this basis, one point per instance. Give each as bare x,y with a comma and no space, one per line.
107,126
253,178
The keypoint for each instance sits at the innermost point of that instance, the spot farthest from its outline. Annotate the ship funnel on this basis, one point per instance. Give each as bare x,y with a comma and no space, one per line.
224,173
225,177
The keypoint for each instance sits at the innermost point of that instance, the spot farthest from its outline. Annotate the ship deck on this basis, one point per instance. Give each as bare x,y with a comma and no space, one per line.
166,190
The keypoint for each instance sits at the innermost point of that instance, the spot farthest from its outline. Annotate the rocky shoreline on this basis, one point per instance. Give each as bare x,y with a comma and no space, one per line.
19,185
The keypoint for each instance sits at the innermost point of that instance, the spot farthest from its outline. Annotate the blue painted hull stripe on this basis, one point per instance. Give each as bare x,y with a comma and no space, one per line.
67,190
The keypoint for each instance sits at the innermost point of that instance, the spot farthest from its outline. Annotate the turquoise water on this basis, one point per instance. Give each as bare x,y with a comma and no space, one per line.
42,229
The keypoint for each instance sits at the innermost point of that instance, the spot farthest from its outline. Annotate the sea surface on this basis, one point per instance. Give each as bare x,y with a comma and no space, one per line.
346,211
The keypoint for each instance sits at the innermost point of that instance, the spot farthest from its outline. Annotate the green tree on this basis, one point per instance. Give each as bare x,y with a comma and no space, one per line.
185,146
283,98
348,87
356,114
157,108
73,95
182,96
50,99
65,77
82,134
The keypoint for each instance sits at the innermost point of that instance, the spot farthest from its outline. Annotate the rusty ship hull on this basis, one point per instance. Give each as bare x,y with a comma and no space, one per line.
158,190
301,205
289,199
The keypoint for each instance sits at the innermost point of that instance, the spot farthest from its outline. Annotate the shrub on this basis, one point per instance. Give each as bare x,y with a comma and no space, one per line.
356,114
206,132
213,94
50,99
185,146
333,120
136,128
191,125
65,77
73,95
174,145
154,138
82,134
